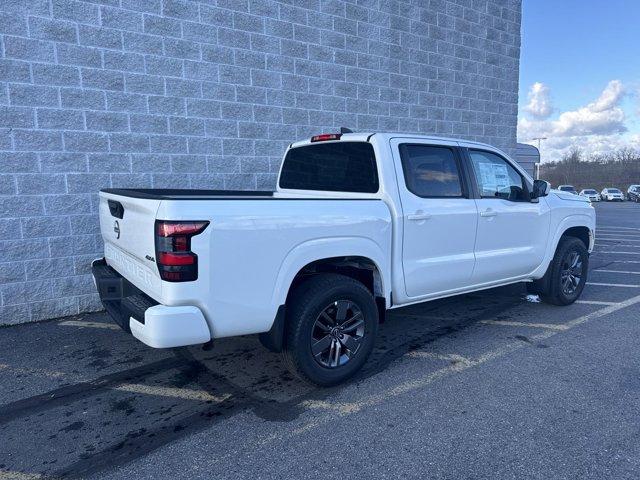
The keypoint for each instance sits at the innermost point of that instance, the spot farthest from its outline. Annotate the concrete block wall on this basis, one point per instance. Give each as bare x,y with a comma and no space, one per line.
206,94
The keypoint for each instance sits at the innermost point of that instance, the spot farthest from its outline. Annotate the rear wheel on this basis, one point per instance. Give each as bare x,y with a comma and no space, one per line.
332,321
567,274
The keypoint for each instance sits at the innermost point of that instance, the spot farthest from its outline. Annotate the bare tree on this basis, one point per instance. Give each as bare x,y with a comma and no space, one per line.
619,168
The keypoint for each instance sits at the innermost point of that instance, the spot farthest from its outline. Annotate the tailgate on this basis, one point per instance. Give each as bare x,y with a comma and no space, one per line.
127,226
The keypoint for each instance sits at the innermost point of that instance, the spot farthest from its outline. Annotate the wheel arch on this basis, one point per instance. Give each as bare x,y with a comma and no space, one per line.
358,258
580,232
581,226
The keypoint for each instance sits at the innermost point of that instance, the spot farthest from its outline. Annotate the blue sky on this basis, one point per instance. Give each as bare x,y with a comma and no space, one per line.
584,59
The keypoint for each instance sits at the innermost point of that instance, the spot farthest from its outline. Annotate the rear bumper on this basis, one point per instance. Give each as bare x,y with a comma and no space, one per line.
158,326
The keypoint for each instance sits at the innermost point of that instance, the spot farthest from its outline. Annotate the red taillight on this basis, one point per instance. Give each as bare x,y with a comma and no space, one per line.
176,262
166,258
326,136
169,229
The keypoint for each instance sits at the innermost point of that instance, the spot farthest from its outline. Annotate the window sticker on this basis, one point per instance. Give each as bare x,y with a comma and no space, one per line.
494,177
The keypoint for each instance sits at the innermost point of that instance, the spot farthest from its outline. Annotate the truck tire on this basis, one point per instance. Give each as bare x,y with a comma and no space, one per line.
566,276
332,321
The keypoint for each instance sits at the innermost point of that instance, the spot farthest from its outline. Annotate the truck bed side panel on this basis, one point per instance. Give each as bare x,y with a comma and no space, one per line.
252,248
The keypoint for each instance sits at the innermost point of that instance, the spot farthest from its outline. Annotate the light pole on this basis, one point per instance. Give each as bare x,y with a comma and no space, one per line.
537,167
539,139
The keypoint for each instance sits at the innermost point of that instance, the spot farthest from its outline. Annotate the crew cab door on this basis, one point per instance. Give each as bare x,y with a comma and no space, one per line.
438,216
512,230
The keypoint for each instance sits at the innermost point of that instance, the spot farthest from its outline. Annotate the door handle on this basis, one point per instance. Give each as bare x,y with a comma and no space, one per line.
418,216
488,213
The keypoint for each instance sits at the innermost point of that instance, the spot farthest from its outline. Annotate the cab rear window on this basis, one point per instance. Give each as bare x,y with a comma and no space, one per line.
335,167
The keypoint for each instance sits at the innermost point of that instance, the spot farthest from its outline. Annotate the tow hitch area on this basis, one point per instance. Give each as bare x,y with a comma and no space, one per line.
120,298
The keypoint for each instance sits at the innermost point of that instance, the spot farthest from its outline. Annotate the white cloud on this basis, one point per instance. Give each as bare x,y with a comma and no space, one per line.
539,105
610,96
597,127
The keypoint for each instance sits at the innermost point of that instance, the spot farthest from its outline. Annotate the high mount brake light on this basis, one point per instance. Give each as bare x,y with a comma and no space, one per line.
325,137
176,262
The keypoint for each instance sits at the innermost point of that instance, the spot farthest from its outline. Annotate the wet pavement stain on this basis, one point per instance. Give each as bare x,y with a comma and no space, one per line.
526,339
125,405
106,428
72,427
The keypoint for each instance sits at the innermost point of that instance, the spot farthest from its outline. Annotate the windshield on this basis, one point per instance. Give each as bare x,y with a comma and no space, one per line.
590,192
613,190
567,188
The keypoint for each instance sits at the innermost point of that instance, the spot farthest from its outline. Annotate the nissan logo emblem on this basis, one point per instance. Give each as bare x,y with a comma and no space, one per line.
116,229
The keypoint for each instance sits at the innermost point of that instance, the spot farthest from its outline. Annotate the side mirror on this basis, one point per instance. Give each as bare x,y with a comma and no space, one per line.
541,188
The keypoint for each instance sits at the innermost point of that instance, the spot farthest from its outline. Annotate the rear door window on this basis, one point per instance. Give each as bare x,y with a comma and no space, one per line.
336,167
431,171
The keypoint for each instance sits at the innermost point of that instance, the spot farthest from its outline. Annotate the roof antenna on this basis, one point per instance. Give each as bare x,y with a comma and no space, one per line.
345,130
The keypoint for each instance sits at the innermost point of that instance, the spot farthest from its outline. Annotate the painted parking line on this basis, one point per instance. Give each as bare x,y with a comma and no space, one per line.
606,227
340,407
626,241
612,252
618,245
427,379
413,316
81,323
616,239
622,285
610,227
508,323
616,271
11,475
32,371
447,357
630,236
601,238
182,393
617,236
595,302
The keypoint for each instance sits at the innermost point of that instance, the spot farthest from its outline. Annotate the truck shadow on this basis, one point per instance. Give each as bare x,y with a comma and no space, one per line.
89,427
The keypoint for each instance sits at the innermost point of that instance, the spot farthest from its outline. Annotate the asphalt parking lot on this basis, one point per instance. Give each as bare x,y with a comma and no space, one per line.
487,385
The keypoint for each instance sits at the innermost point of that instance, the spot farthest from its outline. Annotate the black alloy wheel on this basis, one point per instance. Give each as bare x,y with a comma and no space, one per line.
337,334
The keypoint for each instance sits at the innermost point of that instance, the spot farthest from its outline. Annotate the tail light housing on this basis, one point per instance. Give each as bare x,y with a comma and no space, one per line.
176,262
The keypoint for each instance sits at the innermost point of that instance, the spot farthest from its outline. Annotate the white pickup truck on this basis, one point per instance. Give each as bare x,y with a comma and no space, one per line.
360,223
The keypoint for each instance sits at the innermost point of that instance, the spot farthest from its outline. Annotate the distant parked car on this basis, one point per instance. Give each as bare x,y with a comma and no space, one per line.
633,193
568,188
591,194
612,195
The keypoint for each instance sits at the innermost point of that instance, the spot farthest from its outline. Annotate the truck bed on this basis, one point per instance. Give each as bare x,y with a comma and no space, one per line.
187,194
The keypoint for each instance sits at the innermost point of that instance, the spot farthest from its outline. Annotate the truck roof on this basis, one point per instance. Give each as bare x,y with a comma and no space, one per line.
364,136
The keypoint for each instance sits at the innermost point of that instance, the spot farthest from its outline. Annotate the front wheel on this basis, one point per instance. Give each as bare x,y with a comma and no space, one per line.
567,274
332,322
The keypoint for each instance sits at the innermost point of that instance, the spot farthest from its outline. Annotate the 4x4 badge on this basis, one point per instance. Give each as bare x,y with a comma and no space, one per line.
116,228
